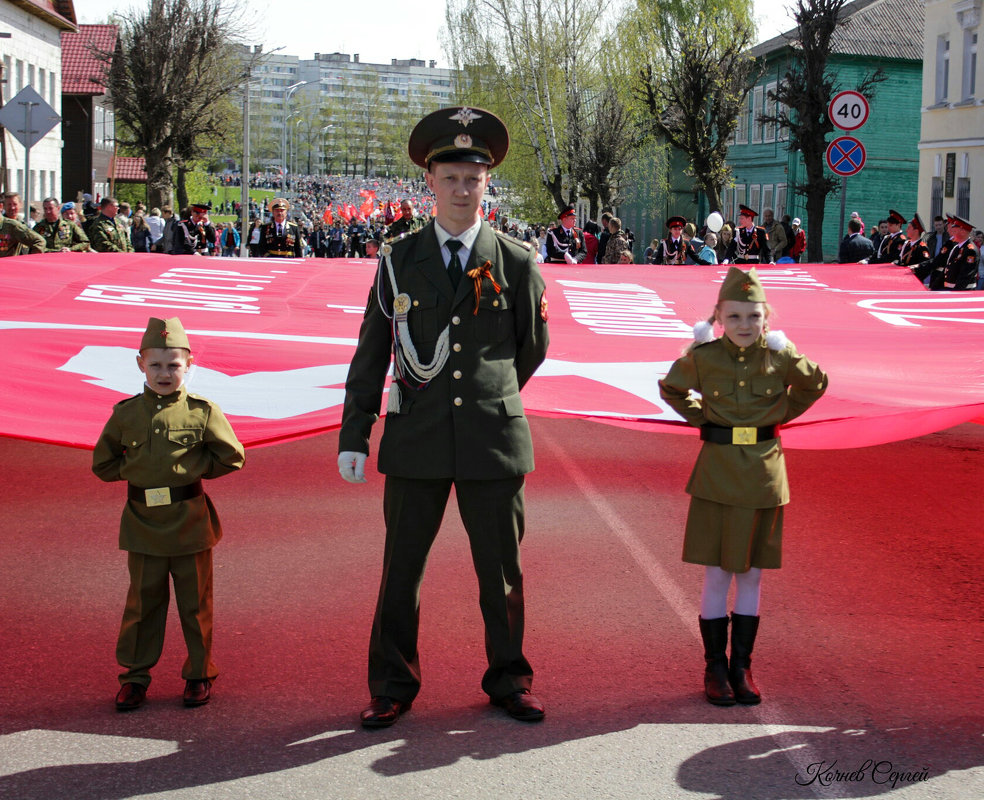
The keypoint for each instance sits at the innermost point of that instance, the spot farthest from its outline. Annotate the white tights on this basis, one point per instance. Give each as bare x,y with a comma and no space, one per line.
714,597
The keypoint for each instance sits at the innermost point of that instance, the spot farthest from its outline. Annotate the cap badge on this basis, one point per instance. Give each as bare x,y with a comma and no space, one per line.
465,115
462,141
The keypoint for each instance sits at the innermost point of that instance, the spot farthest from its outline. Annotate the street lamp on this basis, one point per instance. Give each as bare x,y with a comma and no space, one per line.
324,148
283,141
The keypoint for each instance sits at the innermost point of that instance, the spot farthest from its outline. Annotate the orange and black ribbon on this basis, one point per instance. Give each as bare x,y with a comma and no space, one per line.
476,275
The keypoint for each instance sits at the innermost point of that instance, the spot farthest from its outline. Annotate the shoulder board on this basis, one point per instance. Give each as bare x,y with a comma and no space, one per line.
128,400
199,398
705,344
507,238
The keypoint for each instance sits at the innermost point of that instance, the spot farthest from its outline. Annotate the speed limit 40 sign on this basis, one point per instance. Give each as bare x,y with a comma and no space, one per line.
848,111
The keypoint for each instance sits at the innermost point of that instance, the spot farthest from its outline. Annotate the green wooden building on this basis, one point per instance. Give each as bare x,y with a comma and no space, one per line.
885,34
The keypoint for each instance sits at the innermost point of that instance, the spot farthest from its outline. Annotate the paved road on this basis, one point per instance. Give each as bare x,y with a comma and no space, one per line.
870,656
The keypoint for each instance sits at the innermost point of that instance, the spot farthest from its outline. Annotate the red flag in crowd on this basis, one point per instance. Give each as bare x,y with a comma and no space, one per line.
492,213
327,217
366,209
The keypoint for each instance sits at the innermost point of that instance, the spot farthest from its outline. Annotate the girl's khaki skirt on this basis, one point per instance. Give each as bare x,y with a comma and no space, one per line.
733,538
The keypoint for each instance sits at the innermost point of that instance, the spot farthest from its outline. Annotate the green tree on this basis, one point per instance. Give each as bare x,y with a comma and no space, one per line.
693,78
173,61
803,97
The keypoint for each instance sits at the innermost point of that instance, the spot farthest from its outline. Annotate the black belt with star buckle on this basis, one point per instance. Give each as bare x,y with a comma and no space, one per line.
164,495
722,434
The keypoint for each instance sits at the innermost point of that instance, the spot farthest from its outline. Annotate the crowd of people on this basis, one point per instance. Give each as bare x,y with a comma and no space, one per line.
348,217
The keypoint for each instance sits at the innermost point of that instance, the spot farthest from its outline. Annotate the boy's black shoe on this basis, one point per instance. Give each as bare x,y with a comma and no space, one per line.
197,693
130,696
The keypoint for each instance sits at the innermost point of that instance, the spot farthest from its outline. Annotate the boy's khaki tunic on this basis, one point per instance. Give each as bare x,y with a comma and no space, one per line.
739,395
152,441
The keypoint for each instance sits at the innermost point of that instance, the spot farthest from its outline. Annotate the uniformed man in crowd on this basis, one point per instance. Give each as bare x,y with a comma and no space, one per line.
565,244
890,245
105,234
60,235
278,237
469,312
750,244
356,238
195,235
15,237
676,248
955,268
914,249
406,224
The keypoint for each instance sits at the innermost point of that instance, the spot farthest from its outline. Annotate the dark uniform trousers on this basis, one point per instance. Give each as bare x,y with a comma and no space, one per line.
141,638
492,513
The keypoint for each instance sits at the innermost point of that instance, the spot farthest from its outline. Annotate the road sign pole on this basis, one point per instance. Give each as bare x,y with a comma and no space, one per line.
843,208
27,163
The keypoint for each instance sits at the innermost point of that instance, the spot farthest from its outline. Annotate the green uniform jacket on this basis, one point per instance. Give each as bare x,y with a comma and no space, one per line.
60,234
737,390
16,236
108,236
172,440
404,226
468,422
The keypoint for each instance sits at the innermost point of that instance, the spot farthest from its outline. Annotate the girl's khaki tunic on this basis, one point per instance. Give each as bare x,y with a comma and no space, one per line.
737,491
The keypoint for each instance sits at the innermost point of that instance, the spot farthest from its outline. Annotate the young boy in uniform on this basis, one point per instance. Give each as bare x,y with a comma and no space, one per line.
163,442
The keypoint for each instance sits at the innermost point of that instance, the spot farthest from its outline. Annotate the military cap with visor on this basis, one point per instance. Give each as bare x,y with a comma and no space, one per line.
459,134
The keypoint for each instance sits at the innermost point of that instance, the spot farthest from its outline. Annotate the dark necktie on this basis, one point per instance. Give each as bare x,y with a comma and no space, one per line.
454,266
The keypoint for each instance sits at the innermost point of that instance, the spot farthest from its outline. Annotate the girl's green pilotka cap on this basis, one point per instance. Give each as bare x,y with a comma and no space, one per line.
744,287
165,333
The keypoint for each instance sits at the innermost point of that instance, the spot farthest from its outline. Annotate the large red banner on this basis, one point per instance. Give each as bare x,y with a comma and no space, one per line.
273,340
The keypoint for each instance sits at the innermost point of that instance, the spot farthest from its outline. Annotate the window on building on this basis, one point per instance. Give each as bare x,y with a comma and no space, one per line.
936,197
20,76
7,79
42,80
970,65
768,193
739,195
769,107
942,68
755,198
780,201
963,197
755,109
30,75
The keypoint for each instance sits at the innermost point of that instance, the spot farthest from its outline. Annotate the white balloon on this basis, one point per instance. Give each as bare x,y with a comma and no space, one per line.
714,221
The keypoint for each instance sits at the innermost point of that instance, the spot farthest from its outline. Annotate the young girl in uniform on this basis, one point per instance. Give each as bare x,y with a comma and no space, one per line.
750,382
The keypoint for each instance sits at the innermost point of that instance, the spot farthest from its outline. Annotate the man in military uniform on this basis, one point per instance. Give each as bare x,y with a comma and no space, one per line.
750,244
676,249
106,235
195,235
407,223
60,235
914,249
468,309
15,236
955,268
565,245
280,238
890,245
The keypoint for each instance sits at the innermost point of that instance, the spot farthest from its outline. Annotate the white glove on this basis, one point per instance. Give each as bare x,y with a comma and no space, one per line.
569,258
352,466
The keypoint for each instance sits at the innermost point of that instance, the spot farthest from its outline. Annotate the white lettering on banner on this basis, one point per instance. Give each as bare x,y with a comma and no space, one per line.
171,298
174,298
790,278
623,309
939,307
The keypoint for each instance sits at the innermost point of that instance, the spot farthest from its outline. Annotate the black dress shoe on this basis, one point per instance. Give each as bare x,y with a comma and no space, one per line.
383,711
521,705
130,696
197,692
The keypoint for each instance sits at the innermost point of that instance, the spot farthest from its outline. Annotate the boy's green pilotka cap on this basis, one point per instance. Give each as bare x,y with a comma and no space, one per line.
165,333
744,287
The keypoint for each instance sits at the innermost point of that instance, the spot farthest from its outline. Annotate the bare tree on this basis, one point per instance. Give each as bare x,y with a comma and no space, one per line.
173,60
803,97
694,78
606,144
